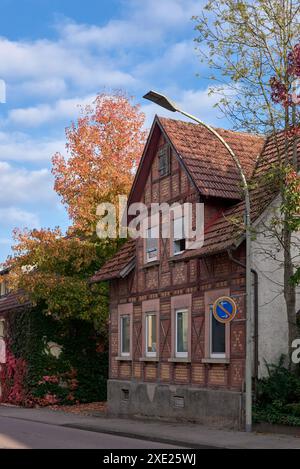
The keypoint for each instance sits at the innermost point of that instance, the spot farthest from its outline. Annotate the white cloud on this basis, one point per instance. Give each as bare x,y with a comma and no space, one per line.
49,88
20,147
89,56
196,102
169,14
178,57
63,109
20,186
148,43
55,65
143,23
5,242
115,33
15,217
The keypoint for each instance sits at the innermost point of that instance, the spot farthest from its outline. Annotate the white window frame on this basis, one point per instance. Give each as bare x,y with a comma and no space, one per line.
123,316
153,258
215,355
181,354
178,239
147,353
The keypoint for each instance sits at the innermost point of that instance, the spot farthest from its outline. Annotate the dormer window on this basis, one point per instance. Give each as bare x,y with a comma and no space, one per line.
164,161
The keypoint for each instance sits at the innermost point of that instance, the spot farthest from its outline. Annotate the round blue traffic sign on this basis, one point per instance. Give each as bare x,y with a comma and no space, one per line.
224,309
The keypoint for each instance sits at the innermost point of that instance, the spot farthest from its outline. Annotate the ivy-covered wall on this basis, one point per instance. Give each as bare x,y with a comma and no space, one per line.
35,376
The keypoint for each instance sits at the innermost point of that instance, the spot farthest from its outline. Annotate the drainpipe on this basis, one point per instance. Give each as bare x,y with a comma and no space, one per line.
255,275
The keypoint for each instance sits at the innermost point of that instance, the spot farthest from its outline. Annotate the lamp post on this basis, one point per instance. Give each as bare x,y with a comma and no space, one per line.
166,103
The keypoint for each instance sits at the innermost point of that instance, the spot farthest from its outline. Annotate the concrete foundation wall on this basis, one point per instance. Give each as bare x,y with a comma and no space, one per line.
220,408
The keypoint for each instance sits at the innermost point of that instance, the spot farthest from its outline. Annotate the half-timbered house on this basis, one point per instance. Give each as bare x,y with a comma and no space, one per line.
169,357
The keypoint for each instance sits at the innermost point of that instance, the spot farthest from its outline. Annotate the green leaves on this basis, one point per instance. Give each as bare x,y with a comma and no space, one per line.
247,44
61,273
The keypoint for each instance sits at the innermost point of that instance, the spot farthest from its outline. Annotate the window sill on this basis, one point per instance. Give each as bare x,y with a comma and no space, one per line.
151,264
149,359
123,359
176,254
177,257
179,360
221,361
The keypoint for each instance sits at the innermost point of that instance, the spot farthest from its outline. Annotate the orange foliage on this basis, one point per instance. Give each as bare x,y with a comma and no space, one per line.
104,147
53,269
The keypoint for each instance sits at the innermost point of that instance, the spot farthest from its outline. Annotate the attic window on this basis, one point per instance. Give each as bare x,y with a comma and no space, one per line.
164,161
179,238
152,244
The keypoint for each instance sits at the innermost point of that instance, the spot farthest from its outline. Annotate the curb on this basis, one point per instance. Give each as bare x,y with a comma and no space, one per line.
138,436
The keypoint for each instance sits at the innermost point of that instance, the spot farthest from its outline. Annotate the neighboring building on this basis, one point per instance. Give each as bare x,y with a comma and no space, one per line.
9,302
169,357
268,262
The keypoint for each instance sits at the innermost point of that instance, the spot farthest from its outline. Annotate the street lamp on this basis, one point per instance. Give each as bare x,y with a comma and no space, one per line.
166,103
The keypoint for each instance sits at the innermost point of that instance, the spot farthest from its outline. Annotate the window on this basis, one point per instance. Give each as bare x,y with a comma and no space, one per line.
181,349
125,312
151,335
125,335
179,242
152,244
181,310
150,329
217,337
164,161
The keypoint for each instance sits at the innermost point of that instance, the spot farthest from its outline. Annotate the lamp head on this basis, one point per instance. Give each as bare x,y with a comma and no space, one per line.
161,100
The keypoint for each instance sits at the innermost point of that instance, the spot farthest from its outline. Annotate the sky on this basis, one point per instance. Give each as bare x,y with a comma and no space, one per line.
58,54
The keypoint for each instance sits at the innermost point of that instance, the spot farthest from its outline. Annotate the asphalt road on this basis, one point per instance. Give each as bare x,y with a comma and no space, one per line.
25,434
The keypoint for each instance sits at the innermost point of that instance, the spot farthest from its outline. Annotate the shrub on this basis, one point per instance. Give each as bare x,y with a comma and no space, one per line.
281,384
278,396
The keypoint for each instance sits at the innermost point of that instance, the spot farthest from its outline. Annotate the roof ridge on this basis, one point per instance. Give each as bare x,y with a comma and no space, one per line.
236,132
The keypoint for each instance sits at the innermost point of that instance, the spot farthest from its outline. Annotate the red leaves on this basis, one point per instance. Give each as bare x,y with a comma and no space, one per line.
280,92
12,377
294,61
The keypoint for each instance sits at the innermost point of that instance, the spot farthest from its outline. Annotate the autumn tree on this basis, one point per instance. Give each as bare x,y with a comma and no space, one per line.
53,271
104,148
252,48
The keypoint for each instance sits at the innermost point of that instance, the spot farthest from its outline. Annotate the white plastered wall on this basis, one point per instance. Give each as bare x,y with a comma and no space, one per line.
272,317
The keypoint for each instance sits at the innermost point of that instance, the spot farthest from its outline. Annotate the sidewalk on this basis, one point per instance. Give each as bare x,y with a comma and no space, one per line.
184,435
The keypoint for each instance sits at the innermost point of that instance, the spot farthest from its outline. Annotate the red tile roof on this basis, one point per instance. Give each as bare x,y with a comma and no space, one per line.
114,266
227,230
208,161
193,144
12,301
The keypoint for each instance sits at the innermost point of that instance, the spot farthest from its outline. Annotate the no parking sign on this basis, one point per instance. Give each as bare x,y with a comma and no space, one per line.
224,309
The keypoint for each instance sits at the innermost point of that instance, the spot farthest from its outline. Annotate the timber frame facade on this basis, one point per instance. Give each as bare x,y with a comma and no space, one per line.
185,368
